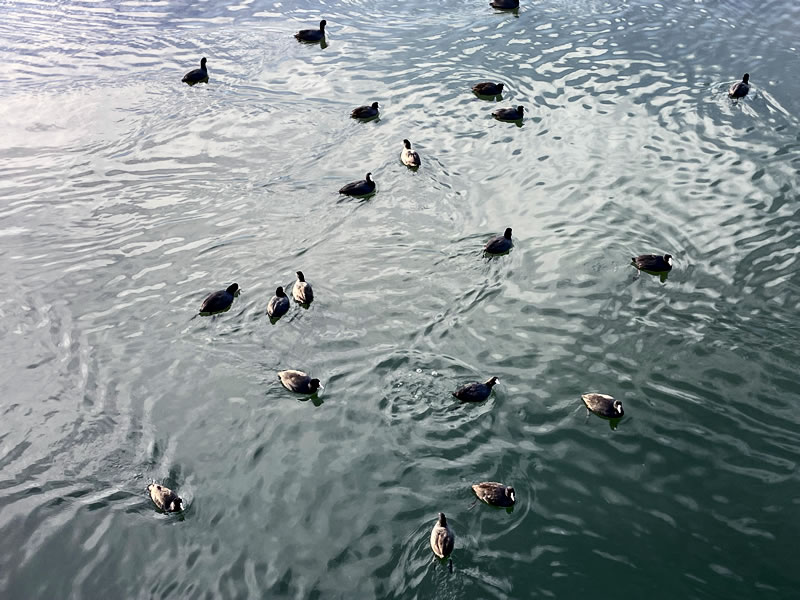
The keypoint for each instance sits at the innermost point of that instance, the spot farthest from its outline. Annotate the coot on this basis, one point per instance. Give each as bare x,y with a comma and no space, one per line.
197,75
500,244
509,114
359,188
312,35
278,304
219,301
740,89
475,392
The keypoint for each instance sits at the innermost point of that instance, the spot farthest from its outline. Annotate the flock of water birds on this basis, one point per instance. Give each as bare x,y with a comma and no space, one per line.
442,538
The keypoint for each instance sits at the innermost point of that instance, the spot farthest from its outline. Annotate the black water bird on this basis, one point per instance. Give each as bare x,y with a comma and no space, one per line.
476,392
301,291
741,88
603,405
495,493
278,305
488,88
359,188
408,156
365,112
197,75
509,114
653,263
164,498
312,35
219,301
299,382
443,539
504,4
500,244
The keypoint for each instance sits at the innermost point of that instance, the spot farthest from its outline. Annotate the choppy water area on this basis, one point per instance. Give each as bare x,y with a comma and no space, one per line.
127,197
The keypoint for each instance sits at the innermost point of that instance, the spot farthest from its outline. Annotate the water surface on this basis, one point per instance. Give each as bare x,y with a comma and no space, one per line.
128,197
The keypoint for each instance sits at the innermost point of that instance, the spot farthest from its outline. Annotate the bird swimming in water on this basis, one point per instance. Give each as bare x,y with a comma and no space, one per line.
301,291
408,156
298,382
365,112
476,392
653,263
495,493
359,188
312,35
197,75
278,304
741,88
164,498
603,405
488,88
219,301
504,4
443,539
500,244
509,114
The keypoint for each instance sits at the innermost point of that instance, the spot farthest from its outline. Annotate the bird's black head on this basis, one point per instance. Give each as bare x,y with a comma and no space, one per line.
375,105
369,177
300,276
407,144
492,381
279,292
500,86
510,494
314,385
203,63
746,77
322,24
668,257
442,520
618,408
233,288
507,234
521,109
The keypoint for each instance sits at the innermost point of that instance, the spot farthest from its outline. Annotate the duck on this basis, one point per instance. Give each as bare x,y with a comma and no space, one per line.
278,304
164,498
487,88
504,4
509,114
740,89
495,494
476,391
408,156
219,301
442,538
365,112
500,244
197,75
301,291
299,382
312,35
603,405
359,188
653,263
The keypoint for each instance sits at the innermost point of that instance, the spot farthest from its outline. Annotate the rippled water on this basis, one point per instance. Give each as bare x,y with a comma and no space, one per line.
128,196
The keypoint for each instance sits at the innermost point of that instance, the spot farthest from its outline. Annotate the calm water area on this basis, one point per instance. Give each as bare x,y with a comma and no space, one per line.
127,196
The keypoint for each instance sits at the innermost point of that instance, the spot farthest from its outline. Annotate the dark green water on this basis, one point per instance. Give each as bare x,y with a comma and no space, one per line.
128,196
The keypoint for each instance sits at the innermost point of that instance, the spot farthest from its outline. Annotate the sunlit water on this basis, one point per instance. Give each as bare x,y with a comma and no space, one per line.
127,197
